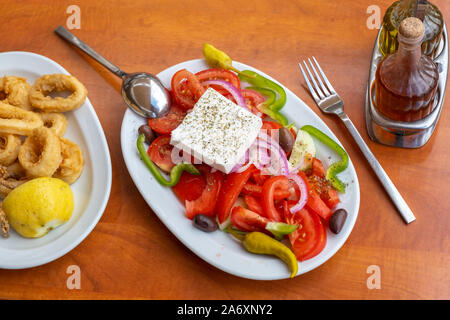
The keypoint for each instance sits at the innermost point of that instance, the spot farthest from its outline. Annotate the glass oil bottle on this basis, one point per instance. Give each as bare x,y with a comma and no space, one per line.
406,81
424,10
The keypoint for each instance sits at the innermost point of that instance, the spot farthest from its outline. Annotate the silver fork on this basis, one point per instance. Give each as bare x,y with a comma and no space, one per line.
329,102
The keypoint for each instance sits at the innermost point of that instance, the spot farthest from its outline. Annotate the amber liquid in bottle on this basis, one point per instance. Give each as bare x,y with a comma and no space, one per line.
406,81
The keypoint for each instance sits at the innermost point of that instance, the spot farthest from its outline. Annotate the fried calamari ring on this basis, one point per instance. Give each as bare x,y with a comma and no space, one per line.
15,120
9,148
39,93
16,171
40,154
9,182
16,90
4,224
56,122
72,164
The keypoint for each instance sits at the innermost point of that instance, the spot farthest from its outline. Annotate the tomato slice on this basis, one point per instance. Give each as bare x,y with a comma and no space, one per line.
232,187
160,152
330,196
189,187
206,203
321,185
254,204
271,125
309,240
247,220
314,203
252,100
268,192
318,206
318,169
166,124
260,178
219,74
325,191
256,190
186,89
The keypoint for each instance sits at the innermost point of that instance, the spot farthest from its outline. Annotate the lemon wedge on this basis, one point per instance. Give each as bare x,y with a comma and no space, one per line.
39,205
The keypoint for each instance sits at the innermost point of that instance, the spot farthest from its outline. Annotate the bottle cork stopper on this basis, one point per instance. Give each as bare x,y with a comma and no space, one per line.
411,28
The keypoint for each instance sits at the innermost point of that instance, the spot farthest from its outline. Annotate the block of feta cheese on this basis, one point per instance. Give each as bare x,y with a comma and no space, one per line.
217,131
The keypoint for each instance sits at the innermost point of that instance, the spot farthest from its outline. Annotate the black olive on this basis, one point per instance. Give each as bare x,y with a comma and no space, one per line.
286,139
148,133
204,223
337,220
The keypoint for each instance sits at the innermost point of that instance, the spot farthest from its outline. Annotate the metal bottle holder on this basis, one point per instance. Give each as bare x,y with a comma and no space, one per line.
398,133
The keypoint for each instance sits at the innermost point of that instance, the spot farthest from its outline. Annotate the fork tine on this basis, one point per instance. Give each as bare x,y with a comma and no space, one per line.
319,92
324,89
311,90
330,87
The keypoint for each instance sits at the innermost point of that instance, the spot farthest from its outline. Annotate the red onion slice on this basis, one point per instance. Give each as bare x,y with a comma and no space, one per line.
303,193
285,164
257,155
235,92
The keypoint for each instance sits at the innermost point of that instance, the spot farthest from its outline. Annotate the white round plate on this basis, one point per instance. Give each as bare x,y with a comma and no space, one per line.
219,248
91,190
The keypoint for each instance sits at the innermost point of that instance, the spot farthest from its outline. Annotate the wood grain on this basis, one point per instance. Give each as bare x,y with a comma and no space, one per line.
130,254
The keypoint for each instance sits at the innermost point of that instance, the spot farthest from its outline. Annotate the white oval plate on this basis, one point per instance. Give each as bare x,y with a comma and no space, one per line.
91,190
219,248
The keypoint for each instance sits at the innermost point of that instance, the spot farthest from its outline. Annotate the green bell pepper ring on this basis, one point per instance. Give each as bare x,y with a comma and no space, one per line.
336,167
269,94
258,80
266,106
275,115
175,173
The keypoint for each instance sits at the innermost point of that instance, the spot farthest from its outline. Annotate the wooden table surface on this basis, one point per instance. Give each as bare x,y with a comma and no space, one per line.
131,254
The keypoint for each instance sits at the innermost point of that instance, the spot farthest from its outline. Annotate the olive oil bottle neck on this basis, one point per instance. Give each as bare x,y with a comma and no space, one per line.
410,51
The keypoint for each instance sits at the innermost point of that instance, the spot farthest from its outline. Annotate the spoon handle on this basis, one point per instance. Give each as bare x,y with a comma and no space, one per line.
68,36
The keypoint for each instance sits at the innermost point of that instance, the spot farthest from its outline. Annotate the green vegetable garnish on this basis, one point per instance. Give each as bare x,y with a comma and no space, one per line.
336,167
270,95
175,173
275,94
258,80
280,229
217,59
265,107
238,234
275,115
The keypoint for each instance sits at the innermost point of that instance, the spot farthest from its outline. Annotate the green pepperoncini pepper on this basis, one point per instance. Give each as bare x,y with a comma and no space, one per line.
175,173
260,243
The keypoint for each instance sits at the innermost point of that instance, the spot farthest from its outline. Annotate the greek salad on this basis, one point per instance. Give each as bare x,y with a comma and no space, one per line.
239,166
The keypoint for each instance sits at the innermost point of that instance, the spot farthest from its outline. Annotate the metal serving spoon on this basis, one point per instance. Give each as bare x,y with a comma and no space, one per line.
143,92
